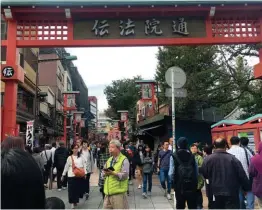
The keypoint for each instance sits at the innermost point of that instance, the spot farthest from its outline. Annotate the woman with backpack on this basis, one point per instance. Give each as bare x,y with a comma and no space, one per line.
148,162
75,169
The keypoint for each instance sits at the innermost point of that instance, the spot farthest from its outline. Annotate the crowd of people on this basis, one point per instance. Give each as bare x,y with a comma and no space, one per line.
232,176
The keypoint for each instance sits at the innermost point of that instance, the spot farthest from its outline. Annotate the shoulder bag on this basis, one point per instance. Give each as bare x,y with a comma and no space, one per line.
79,172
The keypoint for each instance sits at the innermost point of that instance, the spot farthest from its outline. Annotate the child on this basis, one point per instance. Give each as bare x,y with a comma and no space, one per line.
148,162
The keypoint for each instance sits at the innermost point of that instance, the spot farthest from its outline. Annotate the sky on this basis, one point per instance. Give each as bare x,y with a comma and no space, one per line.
100,66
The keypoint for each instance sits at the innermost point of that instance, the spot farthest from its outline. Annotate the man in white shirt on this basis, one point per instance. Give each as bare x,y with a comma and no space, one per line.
244,156
47,155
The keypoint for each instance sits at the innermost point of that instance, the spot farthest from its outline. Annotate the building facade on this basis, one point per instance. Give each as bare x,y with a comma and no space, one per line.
27,59
51,74
94,110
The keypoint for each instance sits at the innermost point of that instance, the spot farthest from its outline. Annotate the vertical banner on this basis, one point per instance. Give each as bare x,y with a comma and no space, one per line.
82,123
123,116
146,91
78,118
70,101
30,133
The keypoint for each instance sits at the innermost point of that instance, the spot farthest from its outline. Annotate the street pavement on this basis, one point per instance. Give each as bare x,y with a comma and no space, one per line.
135,199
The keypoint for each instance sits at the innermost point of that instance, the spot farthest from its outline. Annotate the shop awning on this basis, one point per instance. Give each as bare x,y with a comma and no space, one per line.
150,128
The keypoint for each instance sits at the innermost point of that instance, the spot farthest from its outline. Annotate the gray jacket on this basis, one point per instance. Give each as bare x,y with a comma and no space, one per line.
39,160
148,165
88,156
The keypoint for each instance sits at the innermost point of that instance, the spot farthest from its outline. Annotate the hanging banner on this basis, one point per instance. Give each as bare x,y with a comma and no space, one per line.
70,100
124,116
82,123
78,118
30,133
146,91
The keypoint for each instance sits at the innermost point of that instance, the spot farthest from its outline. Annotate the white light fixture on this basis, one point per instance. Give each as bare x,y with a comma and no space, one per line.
105,6
222,5
176,5
8,13
259,120
129,6
82,6
33,7
199,5
57,7
245,4
152,6
212,11
68,13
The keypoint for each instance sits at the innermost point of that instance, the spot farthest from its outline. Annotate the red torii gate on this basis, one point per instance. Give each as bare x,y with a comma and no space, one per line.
80,23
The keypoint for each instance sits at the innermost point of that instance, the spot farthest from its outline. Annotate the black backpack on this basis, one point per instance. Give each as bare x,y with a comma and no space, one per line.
187,175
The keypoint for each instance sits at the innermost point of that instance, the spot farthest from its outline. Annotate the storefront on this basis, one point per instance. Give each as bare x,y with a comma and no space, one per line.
251,128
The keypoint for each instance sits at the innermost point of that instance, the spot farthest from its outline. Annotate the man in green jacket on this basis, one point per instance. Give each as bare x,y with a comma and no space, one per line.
116,172
200,179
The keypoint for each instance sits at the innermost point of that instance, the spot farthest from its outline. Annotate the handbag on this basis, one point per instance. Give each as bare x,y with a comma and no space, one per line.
250,178
79,172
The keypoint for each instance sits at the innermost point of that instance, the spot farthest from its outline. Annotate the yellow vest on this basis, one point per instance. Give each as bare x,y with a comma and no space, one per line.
113,185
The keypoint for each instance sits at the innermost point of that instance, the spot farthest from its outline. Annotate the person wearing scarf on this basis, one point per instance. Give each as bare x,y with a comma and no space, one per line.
255,171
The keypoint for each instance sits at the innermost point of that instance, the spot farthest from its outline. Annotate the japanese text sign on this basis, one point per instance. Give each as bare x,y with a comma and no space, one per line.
171,27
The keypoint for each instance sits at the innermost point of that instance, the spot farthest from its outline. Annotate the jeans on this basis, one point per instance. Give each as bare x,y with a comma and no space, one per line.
163,178
147,178
250,200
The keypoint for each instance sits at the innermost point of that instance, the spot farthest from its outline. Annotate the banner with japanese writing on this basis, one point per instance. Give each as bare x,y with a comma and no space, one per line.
69,102
124,116
30,133
147,91
78,118
82,123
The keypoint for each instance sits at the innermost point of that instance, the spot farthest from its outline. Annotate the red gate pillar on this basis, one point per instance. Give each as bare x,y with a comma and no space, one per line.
11,83
258,67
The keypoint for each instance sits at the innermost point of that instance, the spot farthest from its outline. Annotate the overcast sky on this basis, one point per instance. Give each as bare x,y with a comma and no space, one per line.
100,66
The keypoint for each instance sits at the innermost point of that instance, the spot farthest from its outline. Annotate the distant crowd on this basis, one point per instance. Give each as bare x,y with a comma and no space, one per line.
232,176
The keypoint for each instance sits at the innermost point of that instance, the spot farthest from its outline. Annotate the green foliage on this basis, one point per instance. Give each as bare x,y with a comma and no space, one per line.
217,76
122,95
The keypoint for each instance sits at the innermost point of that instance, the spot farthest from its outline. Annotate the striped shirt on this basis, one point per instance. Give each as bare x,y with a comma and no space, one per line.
240,154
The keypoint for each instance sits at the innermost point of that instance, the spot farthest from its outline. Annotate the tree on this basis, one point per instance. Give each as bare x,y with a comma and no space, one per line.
203,75
122,95
217,76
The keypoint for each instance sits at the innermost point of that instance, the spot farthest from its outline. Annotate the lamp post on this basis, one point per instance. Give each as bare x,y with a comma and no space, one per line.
36,102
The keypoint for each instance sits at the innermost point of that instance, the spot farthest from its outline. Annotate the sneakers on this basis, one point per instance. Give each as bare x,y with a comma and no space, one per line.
139,186
64,188
149,193
59,190
168,196
87,196
144,195
130,182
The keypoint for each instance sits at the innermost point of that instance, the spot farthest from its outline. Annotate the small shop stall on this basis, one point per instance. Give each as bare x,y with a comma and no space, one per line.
251,128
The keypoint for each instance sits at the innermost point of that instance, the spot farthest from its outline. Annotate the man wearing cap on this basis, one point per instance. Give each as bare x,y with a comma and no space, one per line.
116,172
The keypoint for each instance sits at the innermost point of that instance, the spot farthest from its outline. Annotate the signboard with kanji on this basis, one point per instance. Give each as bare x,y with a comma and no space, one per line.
30,133
148,28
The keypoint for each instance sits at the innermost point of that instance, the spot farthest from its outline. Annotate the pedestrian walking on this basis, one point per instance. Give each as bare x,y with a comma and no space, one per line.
104,155
116,172
200,180
88,157
76,169
139,166
244,156
128,153
47,157
60,158
163,167
225,175
206,152
22,183
185,176
38,158
255,171
148,162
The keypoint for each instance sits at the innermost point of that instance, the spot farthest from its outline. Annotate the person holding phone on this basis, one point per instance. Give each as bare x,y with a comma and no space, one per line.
116,173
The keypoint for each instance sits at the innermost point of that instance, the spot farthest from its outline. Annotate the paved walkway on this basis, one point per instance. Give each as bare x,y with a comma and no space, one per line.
135,199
